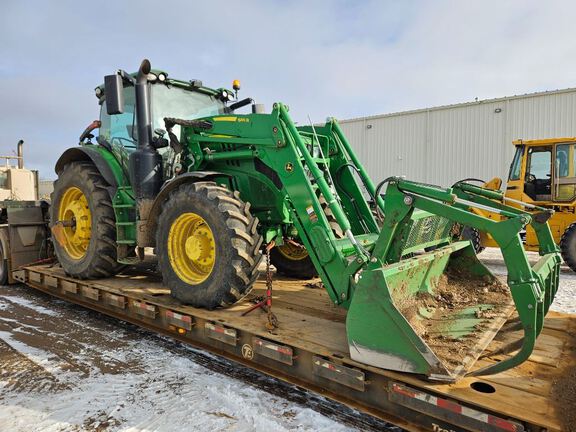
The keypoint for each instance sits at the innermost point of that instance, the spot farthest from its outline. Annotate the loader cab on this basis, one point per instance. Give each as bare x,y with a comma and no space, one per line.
543,171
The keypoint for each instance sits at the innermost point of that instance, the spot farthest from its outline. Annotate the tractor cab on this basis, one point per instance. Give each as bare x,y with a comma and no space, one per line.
543,172
187,100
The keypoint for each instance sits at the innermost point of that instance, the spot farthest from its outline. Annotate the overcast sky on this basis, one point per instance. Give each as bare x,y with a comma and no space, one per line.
339,58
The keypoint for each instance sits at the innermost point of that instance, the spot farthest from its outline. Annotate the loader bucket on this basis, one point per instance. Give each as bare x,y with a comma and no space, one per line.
431,314
434,313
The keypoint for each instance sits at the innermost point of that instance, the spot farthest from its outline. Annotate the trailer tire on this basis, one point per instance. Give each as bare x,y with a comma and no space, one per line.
568,246
3,267
208,246
94,257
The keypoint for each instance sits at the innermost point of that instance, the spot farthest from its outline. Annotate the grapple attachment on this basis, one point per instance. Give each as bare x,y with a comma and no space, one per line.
426,304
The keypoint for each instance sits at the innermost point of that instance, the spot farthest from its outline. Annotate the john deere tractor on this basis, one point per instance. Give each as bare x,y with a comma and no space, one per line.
176,168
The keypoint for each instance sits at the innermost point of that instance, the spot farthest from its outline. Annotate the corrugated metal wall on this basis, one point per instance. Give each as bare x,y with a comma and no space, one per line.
444,144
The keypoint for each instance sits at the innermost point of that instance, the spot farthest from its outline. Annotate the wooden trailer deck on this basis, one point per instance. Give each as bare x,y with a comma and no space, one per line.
310,349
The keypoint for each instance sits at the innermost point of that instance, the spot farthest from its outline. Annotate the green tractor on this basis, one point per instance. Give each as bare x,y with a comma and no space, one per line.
177,169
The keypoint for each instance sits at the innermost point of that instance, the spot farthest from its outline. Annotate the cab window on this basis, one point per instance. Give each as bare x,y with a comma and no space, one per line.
538,173
516,165
565,177
120,129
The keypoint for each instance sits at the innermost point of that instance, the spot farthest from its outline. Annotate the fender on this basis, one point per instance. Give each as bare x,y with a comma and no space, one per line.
104,160
168,187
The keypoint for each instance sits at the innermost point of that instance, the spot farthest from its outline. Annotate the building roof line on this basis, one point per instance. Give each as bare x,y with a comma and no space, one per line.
462,104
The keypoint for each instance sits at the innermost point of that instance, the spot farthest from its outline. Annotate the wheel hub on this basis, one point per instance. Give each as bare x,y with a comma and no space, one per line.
199,245
74,213
292,251
191,248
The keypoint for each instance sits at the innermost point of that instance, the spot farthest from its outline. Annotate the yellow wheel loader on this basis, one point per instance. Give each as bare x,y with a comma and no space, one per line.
542,178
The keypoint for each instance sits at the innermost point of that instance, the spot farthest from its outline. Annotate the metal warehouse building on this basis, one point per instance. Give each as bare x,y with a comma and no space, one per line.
444,144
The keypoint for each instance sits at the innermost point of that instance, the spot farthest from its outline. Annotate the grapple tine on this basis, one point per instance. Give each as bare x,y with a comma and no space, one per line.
522,355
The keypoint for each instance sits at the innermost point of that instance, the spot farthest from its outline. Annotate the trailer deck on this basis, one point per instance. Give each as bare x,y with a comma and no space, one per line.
310,349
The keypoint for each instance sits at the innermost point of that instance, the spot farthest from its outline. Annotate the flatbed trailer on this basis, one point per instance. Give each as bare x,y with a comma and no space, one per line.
310,350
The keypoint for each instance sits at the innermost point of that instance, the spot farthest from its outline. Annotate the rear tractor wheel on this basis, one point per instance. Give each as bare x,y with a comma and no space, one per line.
292,260
207,245
83,222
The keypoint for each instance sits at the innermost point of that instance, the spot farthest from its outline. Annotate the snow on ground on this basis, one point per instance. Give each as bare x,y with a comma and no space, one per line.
565,300
63,368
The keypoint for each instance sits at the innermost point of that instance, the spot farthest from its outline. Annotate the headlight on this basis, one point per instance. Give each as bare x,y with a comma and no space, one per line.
98,92
161,77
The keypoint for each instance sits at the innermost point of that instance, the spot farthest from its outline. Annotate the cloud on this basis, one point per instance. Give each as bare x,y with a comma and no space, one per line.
341,58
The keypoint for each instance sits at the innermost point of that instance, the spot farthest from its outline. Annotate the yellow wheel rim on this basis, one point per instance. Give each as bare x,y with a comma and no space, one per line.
191,248
74,213
293,252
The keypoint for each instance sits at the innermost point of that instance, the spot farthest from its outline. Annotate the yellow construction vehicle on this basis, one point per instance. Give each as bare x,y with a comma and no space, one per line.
542,179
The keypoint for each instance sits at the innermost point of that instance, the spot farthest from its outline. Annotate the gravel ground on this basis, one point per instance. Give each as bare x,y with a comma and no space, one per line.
64,368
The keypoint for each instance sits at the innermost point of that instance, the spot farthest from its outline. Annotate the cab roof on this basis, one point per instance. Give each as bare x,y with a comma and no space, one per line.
543,141
190,85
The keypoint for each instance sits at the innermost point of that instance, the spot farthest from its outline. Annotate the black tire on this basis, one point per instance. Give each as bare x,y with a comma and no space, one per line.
304,268
3,267
568,246
236,241
295,268
99,260
472,234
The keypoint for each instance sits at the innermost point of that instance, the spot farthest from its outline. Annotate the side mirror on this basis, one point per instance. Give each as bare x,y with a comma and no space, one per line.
114,92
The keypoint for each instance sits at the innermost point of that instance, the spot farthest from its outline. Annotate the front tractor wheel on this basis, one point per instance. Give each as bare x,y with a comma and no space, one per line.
207,245
83,222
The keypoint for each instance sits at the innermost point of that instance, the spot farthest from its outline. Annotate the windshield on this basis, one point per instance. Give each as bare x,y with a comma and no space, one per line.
182,104
516,164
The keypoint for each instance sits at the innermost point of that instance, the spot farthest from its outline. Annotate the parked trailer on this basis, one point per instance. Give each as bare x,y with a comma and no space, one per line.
310,349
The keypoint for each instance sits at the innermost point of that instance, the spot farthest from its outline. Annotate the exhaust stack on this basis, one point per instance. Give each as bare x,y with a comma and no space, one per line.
20,154
145,164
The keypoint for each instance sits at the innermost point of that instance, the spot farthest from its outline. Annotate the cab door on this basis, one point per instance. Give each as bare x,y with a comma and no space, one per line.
535,183
538,174
118,132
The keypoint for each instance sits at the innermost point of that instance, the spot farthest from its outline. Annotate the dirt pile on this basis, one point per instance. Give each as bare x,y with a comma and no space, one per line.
456,296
